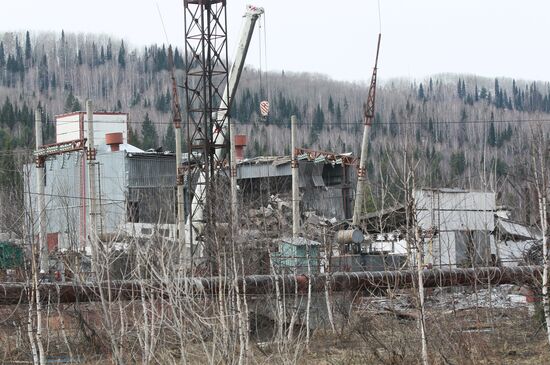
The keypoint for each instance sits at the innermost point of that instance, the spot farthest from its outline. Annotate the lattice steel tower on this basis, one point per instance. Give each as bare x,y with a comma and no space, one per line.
206,78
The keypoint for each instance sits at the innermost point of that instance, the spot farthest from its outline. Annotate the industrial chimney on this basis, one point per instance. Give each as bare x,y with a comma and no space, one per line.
240,142
114,140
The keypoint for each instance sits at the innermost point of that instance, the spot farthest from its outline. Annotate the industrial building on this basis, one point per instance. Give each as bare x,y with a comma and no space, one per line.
456,229
136,198
462,223
136,189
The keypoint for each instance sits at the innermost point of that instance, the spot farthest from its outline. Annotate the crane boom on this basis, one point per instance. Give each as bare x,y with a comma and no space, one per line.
220,130
176,110
368,117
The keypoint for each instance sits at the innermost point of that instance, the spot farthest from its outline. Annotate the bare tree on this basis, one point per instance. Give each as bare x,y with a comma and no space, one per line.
540,161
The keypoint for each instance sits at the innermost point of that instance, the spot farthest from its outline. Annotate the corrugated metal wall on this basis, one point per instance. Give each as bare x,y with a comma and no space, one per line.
151,187
112,186
321,185
151,170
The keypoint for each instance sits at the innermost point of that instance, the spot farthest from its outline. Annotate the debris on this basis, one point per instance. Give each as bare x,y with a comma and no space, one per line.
313,219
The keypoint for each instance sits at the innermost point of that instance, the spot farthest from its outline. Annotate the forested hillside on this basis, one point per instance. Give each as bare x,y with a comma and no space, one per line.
455,130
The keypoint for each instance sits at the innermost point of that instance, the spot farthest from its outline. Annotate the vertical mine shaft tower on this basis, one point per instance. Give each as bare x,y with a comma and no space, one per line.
206,78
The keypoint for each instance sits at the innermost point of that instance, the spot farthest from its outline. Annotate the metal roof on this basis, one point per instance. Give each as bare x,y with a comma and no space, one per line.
84,113
518,230
300,241
325,158
275,160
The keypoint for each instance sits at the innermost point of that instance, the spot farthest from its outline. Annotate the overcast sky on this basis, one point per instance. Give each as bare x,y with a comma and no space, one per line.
336,38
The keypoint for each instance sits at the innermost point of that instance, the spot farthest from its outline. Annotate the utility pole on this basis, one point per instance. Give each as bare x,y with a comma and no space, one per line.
233,162
180,193
42,242
91,156
368,117
295,179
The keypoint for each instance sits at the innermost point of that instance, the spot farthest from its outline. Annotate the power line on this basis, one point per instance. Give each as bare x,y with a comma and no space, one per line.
359,122
77,197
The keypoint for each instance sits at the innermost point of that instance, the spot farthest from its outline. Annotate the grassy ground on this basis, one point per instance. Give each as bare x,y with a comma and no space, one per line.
469,336
465,337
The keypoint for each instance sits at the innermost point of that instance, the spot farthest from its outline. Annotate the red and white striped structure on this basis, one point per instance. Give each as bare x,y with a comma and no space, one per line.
264,108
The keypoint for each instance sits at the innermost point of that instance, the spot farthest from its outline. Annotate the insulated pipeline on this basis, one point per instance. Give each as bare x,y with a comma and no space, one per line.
13,293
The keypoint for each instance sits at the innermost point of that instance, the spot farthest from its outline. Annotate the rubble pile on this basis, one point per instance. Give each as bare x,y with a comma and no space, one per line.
272,219
458,298
275,220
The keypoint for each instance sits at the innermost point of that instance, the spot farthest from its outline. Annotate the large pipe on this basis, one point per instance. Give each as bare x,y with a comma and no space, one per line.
13,293
295,178
42,228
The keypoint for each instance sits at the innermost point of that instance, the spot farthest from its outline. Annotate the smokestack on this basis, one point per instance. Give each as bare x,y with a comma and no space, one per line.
114,140
240,142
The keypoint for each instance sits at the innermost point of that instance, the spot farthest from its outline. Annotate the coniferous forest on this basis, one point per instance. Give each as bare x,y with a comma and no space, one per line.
463,131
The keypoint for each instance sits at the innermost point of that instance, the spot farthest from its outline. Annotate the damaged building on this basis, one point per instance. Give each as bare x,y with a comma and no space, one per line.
325,186
516,243
460,228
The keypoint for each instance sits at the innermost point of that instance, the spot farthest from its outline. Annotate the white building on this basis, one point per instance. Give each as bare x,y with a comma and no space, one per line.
74,126
462,223
135,190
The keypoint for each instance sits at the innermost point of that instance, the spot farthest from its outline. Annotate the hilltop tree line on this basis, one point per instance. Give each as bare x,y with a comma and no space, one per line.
434,119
